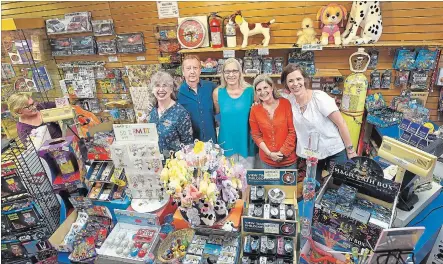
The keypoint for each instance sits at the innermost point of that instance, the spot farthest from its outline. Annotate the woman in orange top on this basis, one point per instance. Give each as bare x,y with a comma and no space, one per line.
272,126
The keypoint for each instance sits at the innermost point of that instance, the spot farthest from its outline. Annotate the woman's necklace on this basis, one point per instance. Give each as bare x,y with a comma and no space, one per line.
303,103
162,111
270,108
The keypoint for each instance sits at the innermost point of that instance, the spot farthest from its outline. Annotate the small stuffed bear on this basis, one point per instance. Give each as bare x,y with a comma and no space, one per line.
307,34
330,16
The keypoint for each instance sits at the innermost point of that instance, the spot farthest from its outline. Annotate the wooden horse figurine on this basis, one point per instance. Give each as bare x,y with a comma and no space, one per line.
251,29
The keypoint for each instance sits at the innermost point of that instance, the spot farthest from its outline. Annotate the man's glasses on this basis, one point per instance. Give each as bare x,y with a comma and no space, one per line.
231,72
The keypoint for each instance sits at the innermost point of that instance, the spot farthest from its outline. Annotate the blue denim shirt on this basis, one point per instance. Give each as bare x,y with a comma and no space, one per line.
201,108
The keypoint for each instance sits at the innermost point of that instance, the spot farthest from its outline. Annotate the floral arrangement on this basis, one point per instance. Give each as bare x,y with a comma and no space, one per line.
204,183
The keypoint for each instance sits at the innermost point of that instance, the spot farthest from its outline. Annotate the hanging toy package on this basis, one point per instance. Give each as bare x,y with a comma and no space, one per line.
375,80
401,79
404,59
418,80
426,59
386,79
373,53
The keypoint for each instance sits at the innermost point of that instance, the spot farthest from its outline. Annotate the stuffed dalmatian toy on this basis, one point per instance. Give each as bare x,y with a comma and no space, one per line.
367,15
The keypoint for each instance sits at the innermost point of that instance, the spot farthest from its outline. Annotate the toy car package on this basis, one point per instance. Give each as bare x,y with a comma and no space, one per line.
130,43
103,27
55,26
83,45
78,22
61,47
107,47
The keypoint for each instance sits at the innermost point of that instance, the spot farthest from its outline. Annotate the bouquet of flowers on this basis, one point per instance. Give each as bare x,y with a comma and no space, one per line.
204,183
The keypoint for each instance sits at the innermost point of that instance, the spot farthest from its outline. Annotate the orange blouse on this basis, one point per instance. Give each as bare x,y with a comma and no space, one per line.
277,133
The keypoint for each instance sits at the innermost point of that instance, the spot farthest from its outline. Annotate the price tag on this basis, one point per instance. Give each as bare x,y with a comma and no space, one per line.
263,51
112,58
271,228
60,102
310,153
228,54
141,58
312,47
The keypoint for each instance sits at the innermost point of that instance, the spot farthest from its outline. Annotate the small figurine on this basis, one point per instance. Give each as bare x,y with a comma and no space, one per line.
330,16
307,34
250,29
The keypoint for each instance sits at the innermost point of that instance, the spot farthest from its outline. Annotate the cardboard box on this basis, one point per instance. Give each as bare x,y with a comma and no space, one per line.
285,180
346,232
234,216
273,226
58,237
169,209
129,222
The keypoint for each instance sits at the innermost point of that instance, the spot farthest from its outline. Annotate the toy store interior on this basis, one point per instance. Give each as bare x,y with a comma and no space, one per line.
221,132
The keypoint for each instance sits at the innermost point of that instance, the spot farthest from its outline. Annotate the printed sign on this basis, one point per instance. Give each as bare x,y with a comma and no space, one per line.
405,124
413,128
167,9
125,132
271,177
228,54
265,226
311,47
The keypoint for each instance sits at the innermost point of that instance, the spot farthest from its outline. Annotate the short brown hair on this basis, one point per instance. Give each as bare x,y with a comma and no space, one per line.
191,57
290,68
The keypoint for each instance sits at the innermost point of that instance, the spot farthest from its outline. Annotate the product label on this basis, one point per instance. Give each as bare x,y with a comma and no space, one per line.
306,47
228,54
267,226
405,124
423,131
413,128
263,51
216,38
271,177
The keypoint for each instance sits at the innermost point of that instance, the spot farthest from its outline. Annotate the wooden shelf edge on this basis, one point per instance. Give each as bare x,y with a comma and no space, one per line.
320,73
330,46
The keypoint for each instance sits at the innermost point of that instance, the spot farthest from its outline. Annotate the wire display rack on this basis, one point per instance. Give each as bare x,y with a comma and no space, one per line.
34,177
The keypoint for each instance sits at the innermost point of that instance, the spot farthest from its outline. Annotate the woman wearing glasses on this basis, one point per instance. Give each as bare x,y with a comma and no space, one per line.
22,105
233,100
173,121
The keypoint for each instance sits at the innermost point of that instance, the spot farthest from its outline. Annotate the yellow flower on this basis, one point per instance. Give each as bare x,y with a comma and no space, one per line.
199,147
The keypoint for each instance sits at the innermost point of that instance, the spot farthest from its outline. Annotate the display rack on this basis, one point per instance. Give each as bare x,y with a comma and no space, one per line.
31,212
31,171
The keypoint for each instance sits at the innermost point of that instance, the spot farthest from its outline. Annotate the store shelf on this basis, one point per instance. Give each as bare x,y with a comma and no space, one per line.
330,46
320,73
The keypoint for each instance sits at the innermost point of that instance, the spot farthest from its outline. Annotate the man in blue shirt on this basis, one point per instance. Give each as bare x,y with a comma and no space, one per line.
196,96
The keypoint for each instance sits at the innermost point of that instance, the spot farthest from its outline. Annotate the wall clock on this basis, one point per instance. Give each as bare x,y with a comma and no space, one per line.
191,33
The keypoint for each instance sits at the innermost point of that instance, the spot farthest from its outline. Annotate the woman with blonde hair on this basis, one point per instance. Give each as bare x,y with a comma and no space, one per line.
272,126
233,100
22,105
173,121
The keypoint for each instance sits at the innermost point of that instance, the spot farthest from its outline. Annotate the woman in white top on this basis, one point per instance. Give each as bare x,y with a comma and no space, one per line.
316,111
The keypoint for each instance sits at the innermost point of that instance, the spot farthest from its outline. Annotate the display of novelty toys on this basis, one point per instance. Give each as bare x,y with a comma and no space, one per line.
204,183
71,23
130,43
379,114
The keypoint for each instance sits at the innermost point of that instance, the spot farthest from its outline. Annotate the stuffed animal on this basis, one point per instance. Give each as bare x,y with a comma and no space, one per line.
330,16
307,34
220,208
229,193
251,29
229,226
367,15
